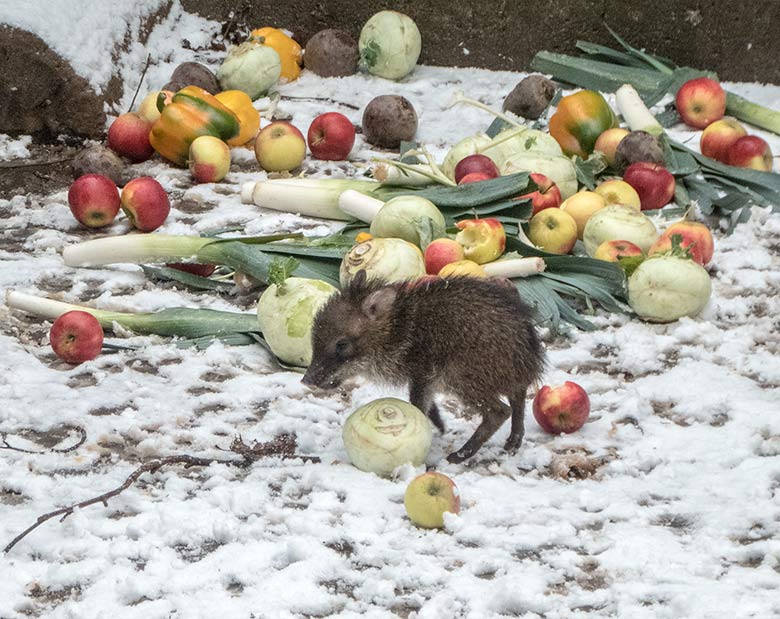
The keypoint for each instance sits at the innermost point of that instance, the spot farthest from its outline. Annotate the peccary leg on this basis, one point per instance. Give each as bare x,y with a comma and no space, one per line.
421,395
518,428
492,418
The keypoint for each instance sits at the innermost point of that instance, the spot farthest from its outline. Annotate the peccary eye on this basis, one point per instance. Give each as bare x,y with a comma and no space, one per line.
343,348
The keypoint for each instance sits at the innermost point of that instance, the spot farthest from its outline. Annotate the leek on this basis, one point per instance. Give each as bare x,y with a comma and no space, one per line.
359,206
635,112
310,197
243,255
170,322
514,267
407,175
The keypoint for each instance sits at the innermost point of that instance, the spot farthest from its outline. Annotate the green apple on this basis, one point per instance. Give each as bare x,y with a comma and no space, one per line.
553,230
428,497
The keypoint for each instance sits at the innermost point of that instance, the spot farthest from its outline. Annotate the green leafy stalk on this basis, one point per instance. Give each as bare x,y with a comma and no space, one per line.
171,322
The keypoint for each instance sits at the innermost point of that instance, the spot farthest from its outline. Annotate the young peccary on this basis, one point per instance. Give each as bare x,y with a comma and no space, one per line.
471,337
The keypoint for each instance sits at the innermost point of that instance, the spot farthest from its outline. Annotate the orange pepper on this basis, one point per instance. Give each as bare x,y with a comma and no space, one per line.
238,102
579,120
191,113
289,51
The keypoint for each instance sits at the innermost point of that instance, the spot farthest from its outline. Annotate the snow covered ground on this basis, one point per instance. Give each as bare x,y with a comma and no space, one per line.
665,505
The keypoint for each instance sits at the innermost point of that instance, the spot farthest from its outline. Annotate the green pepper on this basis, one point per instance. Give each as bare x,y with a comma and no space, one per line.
579,120
192,112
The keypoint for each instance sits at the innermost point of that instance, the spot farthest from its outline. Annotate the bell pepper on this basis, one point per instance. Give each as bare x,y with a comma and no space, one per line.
288,49
192,112
579,120
238,102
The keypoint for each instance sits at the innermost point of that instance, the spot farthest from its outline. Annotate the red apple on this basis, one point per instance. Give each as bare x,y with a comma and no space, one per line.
194,268
441,252
718,138
693,235
653,182
76,337
209,159
476,163
145,203
483,240
701,101
612,251
280,147
428,497
474,177
553,230
128,136
752,152
331,136
93,200
564,408
547,194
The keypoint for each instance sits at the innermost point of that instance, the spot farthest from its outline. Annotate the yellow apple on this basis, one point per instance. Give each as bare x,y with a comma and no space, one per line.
581,206
428,497
148,108
462,268
280,147
619,192
553,230
608,141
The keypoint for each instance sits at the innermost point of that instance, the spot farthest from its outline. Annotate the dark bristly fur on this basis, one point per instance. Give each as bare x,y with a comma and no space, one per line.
473,338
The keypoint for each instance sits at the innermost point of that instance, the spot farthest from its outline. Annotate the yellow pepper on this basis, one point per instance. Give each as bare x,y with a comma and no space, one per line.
191,113
579,120
289,51
238,102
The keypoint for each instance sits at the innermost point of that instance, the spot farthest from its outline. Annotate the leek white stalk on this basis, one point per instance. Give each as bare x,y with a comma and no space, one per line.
177,321
303,196
635,112
134,248
514,267
359,206
404,175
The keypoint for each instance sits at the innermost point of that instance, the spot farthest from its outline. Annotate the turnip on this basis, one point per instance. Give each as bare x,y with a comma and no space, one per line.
389,45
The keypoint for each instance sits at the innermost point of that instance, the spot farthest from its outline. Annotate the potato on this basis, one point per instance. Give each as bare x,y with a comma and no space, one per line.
638,146
389,120
100,160
193,74
530,98
331,53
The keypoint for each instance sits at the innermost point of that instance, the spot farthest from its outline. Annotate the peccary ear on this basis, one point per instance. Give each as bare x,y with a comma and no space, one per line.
360,278
379,303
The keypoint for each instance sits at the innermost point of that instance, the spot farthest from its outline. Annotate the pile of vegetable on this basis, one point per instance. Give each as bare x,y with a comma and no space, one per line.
564,208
